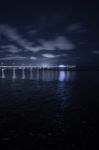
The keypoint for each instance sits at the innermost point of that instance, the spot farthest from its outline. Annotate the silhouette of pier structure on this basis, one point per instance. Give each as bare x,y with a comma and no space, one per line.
36,69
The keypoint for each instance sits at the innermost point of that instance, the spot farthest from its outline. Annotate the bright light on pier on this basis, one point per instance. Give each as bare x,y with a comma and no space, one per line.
62,66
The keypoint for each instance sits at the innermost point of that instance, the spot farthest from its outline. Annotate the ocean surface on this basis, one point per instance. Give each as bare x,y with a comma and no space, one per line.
49,110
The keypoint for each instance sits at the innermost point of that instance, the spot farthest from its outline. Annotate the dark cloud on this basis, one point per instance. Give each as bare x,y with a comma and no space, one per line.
57,33
96,52
13,52
13,58
74,27
13,35
49,55
11,49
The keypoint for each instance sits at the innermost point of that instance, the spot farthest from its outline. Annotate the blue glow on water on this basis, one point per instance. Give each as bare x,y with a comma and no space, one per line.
62,76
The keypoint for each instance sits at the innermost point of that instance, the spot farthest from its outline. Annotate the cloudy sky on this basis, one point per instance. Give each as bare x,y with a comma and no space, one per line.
47,32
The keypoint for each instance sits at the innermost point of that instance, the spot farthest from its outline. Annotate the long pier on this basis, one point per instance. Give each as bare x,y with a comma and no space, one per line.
40,67
31,68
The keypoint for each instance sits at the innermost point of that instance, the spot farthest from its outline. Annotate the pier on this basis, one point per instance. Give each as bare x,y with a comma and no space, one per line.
32,70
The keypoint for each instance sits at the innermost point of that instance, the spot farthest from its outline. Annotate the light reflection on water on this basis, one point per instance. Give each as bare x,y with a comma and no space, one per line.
41,109
40,75
40,104
62,76
58,85
54,75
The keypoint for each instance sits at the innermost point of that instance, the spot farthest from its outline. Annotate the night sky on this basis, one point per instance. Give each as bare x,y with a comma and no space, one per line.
49,32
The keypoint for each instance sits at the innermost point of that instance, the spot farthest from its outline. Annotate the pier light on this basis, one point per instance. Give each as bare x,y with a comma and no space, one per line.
61,66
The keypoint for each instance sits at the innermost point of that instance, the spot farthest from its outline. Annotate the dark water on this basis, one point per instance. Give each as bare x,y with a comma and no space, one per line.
50,110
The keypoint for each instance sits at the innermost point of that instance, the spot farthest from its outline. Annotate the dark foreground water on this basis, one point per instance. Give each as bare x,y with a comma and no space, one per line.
50,110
